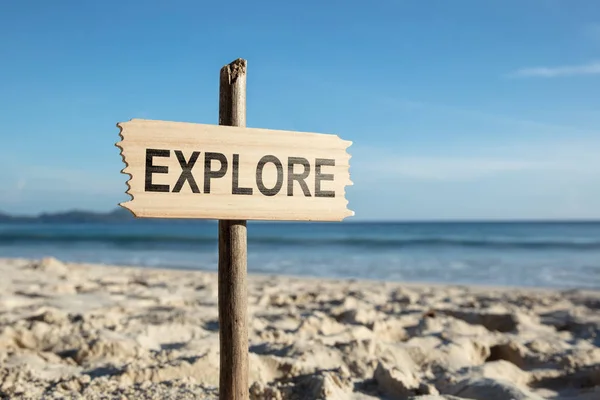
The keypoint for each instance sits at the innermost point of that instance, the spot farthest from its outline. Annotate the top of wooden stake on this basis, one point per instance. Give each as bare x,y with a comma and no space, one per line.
232,94
234,69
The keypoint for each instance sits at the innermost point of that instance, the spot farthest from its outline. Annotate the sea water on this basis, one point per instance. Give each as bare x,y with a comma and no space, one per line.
547,254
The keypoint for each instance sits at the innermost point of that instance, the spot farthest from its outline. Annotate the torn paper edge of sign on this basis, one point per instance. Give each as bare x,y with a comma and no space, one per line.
127,204
119,145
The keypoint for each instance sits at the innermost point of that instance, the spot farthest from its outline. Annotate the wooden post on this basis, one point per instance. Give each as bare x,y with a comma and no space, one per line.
233,323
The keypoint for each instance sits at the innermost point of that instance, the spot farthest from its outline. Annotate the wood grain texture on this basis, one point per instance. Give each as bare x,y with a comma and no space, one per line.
298,202
233,319
233,297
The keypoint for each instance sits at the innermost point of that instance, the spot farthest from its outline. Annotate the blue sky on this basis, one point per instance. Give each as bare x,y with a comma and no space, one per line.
457,109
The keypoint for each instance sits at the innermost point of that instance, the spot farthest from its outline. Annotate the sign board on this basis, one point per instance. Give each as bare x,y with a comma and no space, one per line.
186,170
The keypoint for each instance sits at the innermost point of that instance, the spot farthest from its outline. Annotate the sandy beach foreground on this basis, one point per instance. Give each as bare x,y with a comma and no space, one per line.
99,332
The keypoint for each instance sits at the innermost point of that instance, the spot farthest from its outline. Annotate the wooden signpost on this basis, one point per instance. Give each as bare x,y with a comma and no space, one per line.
233,173
184,170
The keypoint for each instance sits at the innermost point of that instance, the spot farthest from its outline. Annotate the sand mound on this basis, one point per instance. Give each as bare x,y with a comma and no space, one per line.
74,331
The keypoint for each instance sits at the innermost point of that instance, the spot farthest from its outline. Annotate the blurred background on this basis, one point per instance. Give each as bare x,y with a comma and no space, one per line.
475,128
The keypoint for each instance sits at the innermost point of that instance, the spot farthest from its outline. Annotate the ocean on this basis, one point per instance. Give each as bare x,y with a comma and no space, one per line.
543,254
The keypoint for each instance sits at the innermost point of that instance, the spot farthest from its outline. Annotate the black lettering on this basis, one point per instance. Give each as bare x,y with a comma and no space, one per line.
235,189
186,171
208,173
298,177
259,175
155,169
323,177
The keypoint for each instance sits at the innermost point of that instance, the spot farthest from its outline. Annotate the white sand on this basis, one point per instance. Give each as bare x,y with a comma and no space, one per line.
84,331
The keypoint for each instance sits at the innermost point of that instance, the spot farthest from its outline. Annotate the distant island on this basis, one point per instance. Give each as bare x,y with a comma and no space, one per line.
117,215
80,216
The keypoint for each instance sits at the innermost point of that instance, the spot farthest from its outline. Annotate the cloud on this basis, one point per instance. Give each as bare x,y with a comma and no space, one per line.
14,194
450,168
21,183
592,68
567,157
482,116
40,180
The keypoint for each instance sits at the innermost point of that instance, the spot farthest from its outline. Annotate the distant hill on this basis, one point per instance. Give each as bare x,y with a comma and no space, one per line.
116,215
80,216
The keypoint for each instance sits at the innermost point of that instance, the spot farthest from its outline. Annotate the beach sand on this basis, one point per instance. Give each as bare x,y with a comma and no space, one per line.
73,331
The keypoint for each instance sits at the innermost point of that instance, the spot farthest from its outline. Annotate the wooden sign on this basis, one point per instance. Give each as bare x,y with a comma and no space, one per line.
185,170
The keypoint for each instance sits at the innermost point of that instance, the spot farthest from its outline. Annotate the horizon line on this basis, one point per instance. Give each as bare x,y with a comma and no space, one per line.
346,221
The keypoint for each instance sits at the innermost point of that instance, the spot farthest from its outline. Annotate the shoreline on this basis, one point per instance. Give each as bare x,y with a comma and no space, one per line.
71,330
312,278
